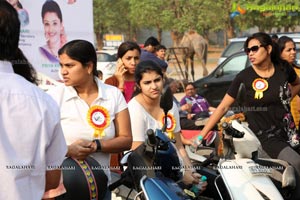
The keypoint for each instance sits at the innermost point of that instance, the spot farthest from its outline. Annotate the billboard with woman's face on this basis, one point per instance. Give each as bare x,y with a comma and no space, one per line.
46,25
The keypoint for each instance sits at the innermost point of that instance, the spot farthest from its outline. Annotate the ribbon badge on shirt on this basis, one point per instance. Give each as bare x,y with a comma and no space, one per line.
98,118
259,85
171,123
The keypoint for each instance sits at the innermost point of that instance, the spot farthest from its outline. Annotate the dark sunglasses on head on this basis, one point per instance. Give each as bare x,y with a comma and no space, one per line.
254,49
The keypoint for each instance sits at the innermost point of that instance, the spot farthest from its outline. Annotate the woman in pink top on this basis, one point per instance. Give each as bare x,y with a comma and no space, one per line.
129,56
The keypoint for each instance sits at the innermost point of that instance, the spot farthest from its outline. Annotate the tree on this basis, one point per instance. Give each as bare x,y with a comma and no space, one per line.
178,16
267,14
149,14
110,17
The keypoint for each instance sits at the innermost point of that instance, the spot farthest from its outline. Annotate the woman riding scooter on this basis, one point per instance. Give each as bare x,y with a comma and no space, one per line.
146,113
267,100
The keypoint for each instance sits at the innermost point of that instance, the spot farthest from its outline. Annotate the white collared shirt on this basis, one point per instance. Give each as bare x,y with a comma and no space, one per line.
74,112
31,137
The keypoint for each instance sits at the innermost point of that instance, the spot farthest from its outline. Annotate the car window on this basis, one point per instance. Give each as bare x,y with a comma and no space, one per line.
232,48
103,57
235,65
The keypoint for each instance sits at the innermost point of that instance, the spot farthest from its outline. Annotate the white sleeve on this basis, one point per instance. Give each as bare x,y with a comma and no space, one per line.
57,148
137,120
56,145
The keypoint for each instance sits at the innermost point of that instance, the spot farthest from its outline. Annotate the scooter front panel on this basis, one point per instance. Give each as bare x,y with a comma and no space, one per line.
242,184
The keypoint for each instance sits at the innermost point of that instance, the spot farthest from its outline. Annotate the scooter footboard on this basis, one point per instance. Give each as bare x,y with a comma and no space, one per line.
244,181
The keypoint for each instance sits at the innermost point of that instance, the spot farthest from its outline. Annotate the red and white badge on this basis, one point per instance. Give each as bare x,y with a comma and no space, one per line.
259,85
98,118
171,124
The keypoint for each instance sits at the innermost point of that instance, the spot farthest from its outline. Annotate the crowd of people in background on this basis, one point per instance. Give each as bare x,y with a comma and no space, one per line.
87,117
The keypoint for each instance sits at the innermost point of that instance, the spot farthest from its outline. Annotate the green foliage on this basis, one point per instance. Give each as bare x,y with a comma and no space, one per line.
265,20
109,15
127,16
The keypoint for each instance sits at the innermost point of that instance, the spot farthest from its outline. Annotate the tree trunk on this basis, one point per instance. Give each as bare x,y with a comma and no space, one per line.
159,34
286,29
99,38
230,29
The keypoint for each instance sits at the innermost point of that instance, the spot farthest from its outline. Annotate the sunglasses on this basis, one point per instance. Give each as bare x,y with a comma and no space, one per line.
254,49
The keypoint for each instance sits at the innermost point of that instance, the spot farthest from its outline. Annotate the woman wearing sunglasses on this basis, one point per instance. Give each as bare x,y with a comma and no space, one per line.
267,100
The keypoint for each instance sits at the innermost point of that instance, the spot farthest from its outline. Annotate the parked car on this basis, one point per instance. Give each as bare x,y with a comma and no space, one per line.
237,44
214,86
106,62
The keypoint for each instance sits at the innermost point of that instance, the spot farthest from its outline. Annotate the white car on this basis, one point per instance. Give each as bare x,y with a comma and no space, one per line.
106,62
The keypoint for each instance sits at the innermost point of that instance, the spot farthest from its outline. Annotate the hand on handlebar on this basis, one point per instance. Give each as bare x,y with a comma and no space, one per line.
190,177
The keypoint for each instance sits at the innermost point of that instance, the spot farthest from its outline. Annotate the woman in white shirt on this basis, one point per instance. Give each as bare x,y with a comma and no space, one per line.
94,116
145,112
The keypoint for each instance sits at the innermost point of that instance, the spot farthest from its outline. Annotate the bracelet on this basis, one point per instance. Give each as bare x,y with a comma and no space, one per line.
98,145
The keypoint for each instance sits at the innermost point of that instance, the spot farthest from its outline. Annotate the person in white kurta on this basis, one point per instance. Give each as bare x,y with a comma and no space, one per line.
32,145
31,136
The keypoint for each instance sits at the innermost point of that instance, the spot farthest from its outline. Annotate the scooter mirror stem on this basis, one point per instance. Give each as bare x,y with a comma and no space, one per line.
151,137
166,103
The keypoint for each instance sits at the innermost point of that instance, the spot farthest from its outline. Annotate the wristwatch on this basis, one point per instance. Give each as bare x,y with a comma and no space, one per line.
98,145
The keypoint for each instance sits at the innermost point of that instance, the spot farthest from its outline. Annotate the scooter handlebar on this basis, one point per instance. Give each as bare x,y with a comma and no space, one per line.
232,131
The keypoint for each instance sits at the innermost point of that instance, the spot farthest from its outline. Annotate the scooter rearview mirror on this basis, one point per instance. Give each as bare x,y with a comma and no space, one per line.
166,99
166,103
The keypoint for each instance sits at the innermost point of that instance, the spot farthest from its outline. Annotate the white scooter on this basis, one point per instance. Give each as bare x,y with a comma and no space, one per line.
244,175
243,171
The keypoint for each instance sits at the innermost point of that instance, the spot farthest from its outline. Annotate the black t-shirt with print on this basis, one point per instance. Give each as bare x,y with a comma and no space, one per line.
269,110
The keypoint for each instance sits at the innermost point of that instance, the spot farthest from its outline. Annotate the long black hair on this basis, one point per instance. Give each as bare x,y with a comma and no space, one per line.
23,67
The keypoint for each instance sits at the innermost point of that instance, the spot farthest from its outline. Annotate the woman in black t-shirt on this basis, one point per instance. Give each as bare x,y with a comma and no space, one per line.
270,84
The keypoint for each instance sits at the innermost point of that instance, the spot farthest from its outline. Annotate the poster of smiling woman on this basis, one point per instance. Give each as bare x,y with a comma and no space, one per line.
47,25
